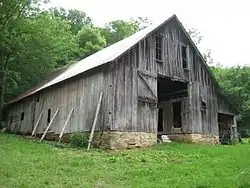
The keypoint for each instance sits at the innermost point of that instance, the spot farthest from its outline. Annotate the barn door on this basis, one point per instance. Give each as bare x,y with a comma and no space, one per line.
147,113
147,87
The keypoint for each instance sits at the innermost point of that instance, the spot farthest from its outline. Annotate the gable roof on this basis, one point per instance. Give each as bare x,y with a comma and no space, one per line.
106,55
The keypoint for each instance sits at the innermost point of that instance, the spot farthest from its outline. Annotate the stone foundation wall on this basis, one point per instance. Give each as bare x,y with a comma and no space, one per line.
195,138
128,140
205,138
119,140
114,140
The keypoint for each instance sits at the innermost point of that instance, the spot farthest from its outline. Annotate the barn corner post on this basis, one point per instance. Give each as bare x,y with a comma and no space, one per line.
190,113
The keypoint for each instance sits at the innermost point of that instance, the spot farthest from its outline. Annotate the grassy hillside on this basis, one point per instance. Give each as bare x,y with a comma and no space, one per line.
26,163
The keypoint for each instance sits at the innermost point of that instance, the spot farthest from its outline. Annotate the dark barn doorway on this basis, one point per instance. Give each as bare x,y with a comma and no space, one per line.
177,114
168,89
170,102
225,123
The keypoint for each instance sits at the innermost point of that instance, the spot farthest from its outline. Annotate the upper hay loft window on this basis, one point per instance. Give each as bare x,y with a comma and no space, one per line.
184,57
158,48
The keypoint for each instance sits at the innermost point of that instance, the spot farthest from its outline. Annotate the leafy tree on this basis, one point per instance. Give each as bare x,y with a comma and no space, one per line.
236,82
12,14
47,44
117,30
90,40
76,18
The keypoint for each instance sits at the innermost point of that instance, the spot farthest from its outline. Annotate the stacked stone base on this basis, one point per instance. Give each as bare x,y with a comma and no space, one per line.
195,138
114,140
129,140
119,140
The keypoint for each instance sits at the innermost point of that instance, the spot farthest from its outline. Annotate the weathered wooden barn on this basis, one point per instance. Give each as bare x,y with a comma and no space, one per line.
153,82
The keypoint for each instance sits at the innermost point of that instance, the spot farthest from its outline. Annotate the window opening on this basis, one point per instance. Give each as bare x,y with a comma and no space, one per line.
22,116
158,48
203,105
49,116
184,57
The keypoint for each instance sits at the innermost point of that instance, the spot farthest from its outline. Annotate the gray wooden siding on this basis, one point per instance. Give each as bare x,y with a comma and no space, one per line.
14,117
81,94
135,96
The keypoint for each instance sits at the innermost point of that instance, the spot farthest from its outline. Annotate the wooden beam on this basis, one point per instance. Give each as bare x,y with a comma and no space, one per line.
49,125
65,124
37,122
174,93
95,121
175,79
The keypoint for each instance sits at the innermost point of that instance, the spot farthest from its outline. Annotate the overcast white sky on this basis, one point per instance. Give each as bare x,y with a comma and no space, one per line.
224,24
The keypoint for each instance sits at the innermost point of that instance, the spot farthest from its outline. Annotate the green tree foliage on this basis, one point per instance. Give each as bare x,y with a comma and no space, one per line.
236,82
76,18
45,45
12,20
117,30
90,40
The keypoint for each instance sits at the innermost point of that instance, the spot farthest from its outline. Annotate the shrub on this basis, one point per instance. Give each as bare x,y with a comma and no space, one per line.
79,140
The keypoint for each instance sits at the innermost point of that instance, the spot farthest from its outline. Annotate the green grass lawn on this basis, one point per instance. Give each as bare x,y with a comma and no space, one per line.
27,163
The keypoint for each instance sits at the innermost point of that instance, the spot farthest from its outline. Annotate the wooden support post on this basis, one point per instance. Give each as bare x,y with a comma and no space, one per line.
37,122
95,121
190,106
65,124
49,125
